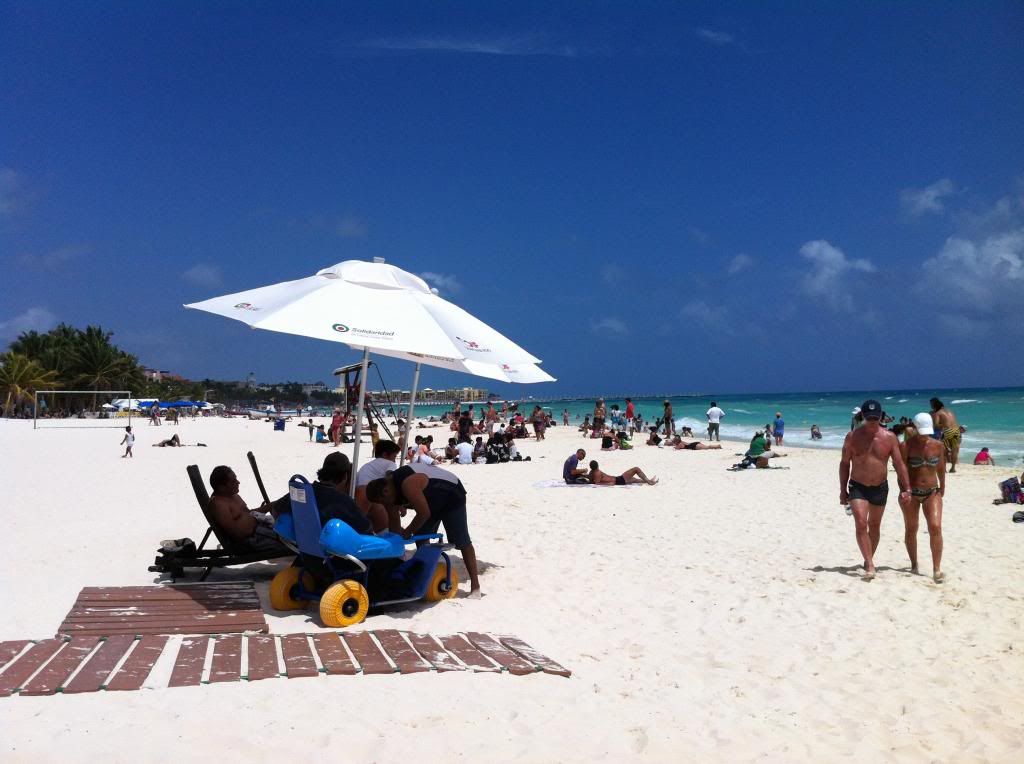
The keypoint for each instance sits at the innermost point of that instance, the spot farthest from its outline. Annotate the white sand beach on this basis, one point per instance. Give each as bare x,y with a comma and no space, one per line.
715,617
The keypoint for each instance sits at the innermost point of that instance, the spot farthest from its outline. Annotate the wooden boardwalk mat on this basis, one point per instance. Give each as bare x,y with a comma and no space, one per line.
87,663
219,608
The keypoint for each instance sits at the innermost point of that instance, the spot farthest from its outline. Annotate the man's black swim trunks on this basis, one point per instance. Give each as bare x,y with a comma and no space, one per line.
872,494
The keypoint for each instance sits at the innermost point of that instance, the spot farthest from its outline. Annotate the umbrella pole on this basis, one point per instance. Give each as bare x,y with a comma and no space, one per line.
359,423
409,420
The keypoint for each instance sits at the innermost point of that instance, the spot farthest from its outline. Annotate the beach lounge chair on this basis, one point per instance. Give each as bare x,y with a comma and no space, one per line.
176,557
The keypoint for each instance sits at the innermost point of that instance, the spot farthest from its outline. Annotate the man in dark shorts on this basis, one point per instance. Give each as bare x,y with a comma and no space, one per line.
436,496
245,527
863,482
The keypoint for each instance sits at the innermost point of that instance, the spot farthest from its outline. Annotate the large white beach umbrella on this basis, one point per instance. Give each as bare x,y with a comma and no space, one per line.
381,308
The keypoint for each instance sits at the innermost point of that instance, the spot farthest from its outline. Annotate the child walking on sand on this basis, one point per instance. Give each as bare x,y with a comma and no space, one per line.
128,441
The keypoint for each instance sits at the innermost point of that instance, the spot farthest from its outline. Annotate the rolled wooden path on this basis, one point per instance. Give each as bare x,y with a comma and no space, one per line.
88,663
218,608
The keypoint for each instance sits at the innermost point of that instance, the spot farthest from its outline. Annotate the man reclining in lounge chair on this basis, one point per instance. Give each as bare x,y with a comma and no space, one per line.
246,527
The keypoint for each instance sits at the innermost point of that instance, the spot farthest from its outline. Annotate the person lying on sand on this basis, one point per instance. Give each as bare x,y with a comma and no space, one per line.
694,445
632,476
172,442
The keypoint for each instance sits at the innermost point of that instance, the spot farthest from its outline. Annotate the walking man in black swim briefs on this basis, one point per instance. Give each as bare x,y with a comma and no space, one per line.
865,488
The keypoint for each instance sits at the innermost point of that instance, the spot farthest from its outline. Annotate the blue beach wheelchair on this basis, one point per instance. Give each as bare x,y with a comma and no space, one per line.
347,572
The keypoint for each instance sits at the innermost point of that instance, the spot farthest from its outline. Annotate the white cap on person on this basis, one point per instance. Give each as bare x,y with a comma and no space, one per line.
923,423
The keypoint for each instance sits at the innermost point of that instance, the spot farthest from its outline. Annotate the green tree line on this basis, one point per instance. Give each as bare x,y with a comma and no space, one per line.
87,359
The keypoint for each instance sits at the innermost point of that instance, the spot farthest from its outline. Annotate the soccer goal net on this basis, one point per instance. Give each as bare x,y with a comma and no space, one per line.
83,408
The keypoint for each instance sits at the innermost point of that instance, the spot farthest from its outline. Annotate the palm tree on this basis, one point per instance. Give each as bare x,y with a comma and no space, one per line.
20,378
98,365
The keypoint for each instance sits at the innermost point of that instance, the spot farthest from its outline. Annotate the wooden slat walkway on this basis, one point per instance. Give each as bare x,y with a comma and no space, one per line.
125,662
219,608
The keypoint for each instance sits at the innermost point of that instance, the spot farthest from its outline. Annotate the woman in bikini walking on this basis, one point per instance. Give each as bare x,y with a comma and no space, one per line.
926,460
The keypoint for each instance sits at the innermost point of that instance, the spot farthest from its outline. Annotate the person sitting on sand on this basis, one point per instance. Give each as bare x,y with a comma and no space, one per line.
622,441
321,435
632,476
984,457
172,442
815,432
572,472
436,496
249,529
694,445
926,463
686,432
585,427
479,449
654,439
609,442
331,491
451,451
863,483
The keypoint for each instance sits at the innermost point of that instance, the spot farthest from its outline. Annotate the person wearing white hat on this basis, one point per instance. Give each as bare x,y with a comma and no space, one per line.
926,462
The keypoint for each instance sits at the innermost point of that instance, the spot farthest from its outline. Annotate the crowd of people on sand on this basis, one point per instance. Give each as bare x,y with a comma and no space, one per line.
918,447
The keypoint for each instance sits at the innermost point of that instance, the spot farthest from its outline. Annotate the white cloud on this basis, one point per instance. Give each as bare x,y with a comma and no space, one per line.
740,263
715,38
612,274
831,276
609,325
700,236
918,201
54,259
443,282
351,227
11,190
525,45
203,275
37,319
986,276
715,318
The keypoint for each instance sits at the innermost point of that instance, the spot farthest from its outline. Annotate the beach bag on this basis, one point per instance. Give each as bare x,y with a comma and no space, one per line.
1011,491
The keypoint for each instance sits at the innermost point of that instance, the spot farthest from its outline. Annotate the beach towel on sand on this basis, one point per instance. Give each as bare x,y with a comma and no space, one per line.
559,483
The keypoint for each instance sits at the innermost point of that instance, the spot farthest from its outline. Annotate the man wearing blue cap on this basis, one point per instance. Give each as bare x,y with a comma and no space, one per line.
863,482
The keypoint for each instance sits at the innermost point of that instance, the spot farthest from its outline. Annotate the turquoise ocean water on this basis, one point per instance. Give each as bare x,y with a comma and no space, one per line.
994,417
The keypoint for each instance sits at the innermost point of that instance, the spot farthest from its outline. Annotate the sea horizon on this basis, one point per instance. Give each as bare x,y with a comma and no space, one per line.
993,416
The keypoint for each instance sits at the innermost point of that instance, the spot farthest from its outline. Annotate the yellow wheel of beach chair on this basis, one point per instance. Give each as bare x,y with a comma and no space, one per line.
282,594
438,590
344,603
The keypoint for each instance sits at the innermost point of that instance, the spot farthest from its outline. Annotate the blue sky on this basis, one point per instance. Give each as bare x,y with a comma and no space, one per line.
649,196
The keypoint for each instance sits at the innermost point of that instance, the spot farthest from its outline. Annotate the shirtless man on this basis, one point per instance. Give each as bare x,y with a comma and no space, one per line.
240,524
947,428
670,422
633,475
868,450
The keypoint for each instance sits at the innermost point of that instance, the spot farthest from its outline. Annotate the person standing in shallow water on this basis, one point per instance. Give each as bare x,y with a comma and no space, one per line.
863,480
948,430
